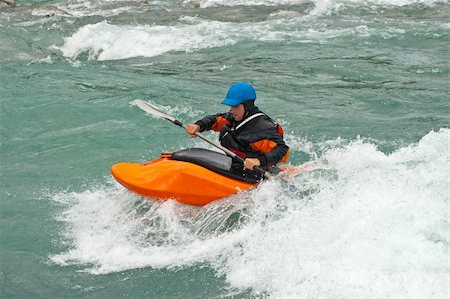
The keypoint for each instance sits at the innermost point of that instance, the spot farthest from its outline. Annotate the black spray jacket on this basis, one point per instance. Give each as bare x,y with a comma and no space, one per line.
256,136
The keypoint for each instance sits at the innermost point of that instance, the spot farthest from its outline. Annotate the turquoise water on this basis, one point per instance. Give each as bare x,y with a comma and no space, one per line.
361,87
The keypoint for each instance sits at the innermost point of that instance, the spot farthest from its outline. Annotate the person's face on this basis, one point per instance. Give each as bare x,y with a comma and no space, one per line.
238,112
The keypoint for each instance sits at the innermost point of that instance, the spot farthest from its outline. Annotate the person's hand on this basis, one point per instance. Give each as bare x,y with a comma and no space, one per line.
249,163
191,129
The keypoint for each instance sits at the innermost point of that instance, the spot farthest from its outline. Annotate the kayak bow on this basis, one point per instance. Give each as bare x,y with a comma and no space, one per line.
192,176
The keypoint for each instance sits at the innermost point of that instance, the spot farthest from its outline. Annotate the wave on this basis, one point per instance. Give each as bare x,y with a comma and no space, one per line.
216,3
326,7
104,41
319,7
319,4
366,225
109,9
109,42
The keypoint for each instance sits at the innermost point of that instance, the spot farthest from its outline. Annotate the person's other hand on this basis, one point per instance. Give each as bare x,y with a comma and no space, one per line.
191,129
249,163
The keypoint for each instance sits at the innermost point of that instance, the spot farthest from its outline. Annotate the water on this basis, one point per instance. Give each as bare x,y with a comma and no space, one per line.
359,86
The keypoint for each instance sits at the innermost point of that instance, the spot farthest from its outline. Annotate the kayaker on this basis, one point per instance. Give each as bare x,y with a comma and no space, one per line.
245,130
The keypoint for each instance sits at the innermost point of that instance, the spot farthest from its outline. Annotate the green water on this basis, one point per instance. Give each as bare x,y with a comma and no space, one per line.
367,72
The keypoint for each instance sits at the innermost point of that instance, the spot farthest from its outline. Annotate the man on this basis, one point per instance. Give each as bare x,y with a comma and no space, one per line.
245,130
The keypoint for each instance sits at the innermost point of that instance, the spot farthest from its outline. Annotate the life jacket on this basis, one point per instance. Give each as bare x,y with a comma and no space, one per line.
229,137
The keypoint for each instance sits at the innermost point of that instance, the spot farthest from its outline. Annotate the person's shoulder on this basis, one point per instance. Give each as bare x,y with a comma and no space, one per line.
265,122
264,118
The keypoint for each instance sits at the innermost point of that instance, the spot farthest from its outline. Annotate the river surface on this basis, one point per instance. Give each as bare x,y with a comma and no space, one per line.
360,86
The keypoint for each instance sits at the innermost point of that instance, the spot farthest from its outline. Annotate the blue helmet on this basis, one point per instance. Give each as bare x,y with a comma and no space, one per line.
239,93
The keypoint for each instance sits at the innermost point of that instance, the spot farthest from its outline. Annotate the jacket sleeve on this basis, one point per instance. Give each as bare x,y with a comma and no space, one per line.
272,149
214,122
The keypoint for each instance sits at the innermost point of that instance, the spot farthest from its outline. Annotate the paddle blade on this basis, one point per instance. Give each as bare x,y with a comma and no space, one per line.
153,110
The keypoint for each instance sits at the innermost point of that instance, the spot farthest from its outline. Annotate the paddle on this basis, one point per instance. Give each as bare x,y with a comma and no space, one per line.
149,108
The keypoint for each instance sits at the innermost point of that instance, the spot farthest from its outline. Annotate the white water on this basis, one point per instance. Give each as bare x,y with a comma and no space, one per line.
317,3
107,41
374,226
108,8
104,41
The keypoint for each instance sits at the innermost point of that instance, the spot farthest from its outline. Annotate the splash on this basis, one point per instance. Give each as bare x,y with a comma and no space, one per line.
110,230
366,225
378,229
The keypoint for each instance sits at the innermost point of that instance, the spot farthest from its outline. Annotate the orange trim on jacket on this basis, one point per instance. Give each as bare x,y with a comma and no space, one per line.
266,145
280,130
220,123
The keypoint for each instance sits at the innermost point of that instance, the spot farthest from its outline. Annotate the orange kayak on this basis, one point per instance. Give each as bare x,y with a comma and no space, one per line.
192,176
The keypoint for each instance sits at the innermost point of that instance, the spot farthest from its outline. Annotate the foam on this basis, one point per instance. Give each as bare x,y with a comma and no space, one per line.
111,230
215,3
47,60
370,225
104,41
321,7
326,7
83,8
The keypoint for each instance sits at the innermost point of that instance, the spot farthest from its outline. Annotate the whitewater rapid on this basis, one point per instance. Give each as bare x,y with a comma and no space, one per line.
108,41
368,224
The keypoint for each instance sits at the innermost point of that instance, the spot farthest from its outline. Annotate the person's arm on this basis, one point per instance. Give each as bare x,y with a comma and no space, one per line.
211,122
214,122
272,149
278,154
